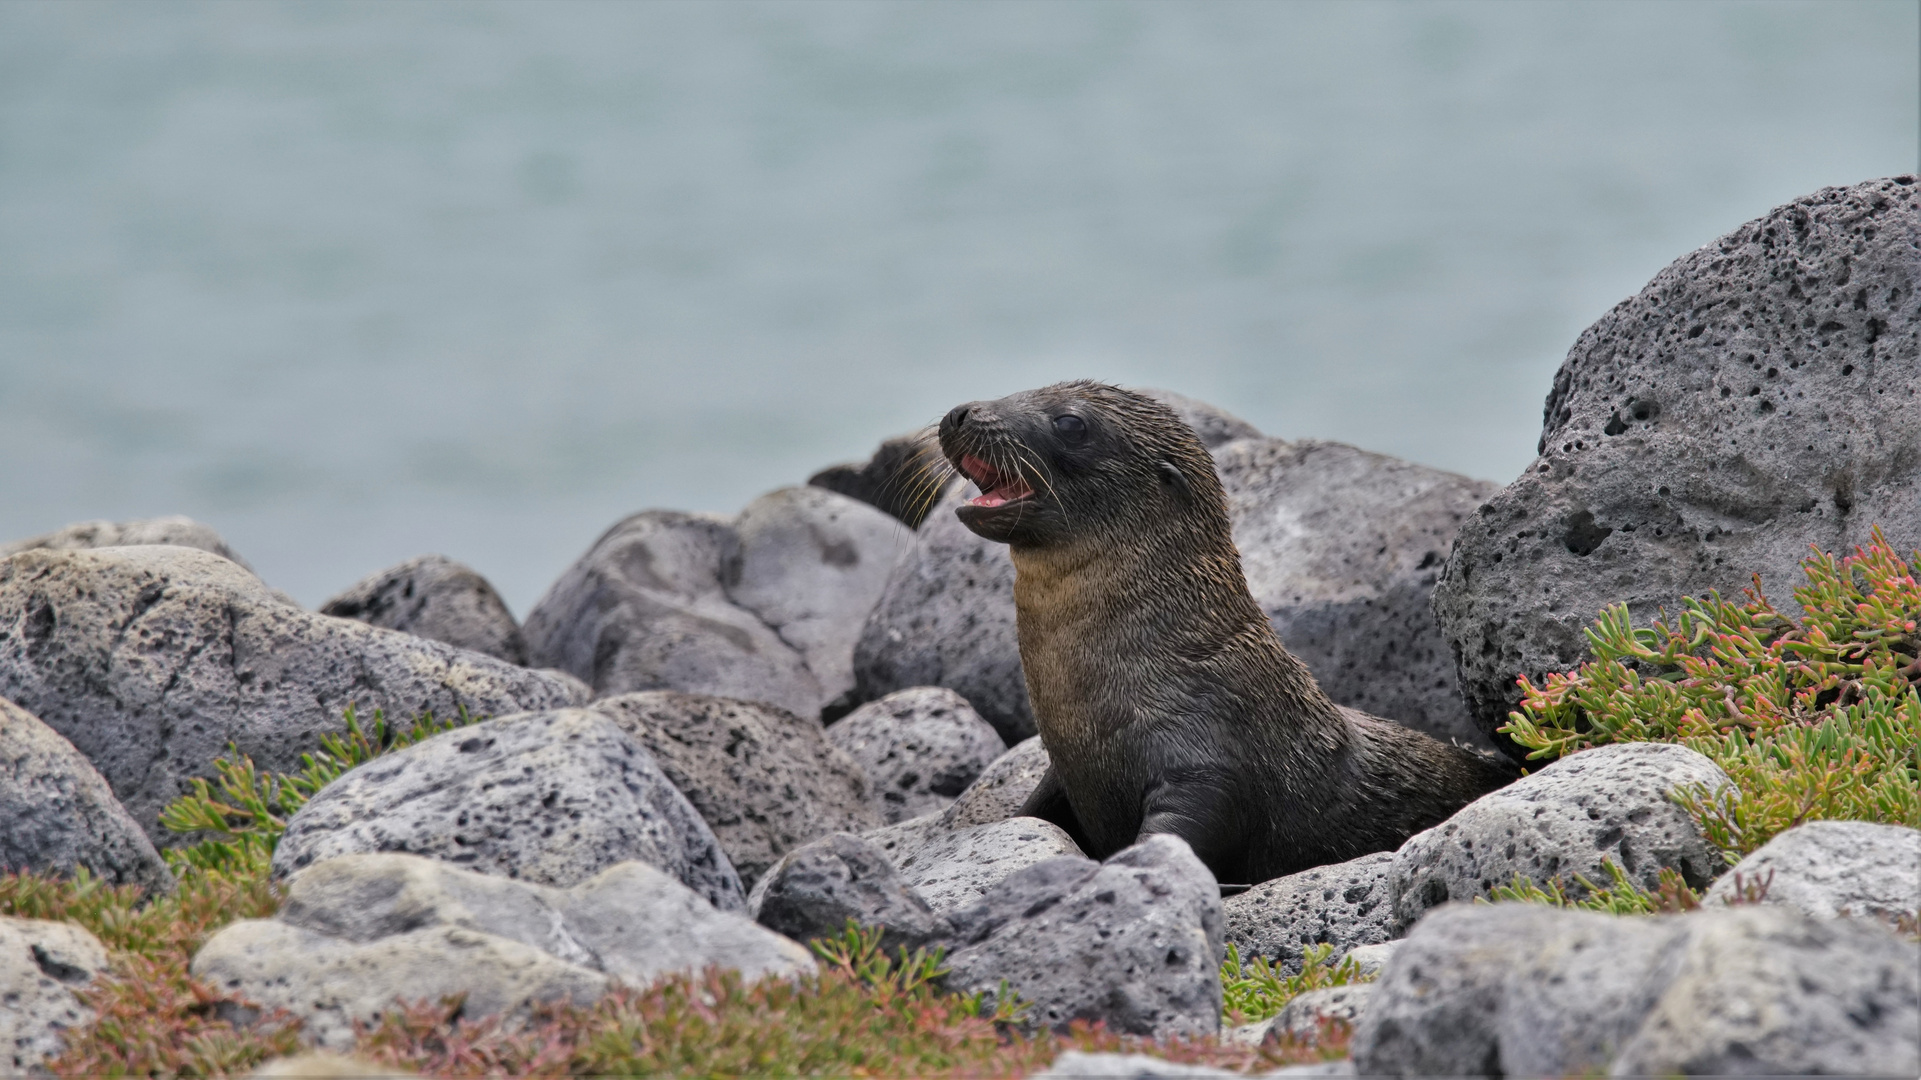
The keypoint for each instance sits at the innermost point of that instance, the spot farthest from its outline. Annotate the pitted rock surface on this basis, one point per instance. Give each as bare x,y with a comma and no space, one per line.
1612,802
1832,868
435,597
60,814
1758,396
1530,990
952,868
1134,942
919,748
814,890
1345,905
42,963
1342,548
551,798
1003,787
152,659
175,530
767,781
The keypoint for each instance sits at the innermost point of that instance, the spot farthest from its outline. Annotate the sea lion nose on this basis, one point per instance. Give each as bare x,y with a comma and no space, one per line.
956,418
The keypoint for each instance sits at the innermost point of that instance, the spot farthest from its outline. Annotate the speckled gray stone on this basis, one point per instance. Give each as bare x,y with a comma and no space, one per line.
952,868
1003,787
1612,802
175,530
61,816
1758,396
152,659
1134,942
435,597
1344,905
42,963
919,748
1830,868
767,781
552,798
814,890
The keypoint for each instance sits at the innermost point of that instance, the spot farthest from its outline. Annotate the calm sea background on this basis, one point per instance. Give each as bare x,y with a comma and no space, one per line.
356,282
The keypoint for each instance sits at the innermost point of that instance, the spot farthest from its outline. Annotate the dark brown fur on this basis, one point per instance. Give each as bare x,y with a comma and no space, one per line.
1165,699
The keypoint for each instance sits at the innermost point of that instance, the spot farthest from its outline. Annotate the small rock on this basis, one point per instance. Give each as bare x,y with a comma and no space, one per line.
1531,990
1372,959
61,815
1304,1018
1831,868
42,963
813,891
152,660
361,933
1610,802
552,798
1134,942
325,1066
175,530
767,781
1343,1067
919,748
952,868
1077,1065
435,597
1346,905
1003,787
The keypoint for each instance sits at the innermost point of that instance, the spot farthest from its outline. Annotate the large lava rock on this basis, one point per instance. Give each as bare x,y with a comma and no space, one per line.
42,964
1760,395
1346,905
152,659
920,748
174,530
435,597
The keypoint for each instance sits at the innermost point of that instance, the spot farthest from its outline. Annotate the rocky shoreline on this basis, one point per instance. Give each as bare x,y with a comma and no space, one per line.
717,739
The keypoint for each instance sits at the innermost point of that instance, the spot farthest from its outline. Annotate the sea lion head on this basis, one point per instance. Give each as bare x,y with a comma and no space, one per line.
1078,460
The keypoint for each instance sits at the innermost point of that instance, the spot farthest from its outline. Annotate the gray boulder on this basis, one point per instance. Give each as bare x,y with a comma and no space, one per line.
435,597
1526,990
764,608
952,868
1079,1065
361,933
1134,942
919,748
61,816
814,890
174,530
1002,788
946,618
1342,548
1832,868
1758,396
1309,1014
151,660
767,781
1345,905
42,963
551,798
1612,802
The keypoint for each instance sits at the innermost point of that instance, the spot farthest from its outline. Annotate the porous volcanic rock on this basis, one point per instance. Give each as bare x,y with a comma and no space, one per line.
814,890
551,798
767,781
1610,803
765,607
152,659
1002,788
1309,1014
1531,990
435,597
60,814
42,963
1760,395
920,748
173,530
1345,905
1134,942
1342,548
952,868
1830,868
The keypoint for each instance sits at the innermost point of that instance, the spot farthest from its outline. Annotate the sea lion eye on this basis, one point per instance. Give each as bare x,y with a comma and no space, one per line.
1072,429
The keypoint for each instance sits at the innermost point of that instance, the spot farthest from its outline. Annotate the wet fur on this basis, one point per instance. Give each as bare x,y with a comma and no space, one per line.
1165,699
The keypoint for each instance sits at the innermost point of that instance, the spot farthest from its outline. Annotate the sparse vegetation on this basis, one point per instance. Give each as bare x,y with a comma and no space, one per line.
1254,990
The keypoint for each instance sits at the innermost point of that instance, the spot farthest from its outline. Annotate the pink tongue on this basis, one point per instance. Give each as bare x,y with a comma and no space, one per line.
989,499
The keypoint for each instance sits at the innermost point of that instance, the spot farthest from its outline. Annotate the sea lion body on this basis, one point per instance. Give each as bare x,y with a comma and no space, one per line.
1165,699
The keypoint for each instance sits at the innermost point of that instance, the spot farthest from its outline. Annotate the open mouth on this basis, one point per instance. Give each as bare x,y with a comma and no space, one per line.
997,488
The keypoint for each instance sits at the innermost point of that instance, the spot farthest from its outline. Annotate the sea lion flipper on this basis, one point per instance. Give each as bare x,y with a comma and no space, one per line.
1201,813
1048,801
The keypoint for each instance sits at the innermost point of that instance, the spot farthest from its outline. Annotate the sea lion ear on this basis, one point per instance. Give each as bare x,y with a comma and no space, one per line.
1172,477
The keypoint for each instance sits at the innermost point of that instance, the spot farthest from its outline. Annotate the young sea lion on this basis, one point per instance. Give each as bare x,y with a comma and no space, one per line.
1165,699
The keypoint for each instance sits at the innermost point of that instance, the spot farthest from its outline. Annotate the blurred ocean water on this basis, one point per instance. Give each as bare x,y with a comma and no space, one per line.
355,282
